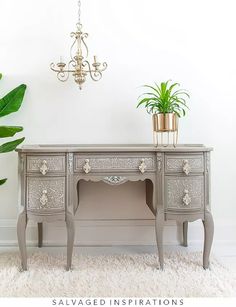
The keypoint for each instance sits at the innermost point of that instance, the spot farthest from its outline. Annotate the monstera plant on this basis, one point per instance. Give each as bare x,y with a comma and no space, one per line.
10,103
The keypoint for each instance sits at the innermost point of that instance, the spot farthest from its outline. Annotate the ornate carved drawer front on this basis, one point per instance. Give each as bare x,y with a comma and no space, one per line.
46,164
46,194
105,163
184,163
183,193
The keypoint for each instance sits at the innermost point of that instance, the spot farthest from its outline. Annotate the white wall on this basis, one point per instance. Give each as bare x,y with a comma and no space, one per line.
192,42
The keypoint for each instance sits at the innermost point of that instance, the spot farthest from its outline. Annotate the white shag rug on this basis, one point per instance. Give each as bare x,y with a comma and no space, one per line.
115,276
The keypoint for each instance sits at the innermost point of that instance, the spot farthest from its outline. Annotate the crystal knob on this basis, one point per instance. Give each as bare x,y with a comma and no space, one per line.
142,167
186,167
44,167
44,199
186,198
87,167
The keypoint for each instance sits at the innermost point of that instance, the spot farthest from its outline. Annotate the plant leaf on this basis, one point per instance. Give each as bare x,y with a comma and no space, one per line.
10,146
150,94
7,131
0,76
162,100
12,101
157,89
177,113
2,181
145,100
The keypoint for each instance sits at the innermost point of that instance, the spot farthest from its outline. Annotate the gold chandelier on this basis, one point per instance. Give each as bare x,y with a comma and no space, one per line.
79,66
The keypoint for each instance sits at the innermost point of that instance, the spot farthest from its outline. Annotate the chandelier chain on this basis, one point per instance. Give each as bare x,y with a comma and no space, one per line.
79,12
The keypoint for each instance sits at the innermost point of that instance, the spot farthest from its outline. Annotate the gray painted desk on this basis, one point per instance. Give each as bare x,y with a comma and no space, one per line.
177,185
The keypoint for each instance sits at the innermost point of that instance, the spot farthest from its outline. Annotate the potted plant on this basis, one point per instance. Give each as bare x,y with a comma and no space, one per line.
166,104
10,103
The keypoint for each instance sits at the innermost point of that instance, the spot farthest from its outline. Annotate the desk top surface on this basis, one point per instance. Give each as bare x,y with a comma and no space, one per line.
47,148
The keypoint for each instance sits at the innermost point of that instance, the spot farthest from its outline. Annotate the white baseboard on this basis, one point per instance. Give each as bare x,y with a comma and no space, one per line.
117,232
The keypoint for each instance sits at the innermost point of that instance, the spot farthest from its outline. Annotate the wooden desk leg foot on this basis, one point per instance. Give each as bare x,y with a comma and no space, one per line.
70,239
185,234
208,238
40,235
21,229
159,237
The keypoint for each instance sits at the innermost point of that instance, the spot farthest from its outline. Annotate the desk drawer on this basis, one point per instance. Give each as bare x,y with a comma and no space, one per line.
46,194
183,193
46,164
105,163
184,163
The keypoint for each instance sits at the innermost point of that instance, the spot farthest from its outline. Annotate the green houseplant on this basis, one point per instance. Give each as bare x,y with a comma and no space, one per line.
166,103
10,103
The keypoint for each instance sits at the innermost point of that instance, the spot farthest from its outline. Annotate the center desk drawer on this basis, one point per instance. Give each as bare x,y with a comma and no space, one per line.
183,193
184,163
46,164
105,163
46,194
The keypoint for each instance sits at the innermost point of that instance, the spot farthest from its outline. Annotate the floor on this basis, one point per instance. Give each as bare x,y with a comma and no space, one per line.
226,254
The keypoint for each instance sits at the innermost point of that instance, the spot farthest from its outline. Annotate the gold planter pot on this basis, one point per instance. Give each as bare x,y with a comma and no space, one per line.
165,123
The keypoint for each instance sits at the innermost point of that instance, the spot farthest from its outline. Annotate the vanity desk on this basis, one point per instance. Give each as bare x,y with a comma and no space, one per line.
177,181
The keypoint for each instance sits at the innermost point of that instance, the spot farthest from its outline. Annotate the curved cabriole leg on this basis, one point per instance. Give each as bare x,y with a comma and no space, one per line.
70,239
208,238
185,234
21,229
159,237
40,235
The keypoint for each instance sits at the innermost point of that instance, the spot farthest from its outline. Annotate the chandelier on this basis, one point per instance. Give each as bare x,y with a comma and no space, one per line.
79,65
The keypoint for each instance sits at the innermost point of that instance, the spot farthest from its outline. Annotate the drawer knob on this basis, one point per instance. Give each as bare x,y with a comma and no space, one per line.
142,167
186,198
44,199
186,167
44,167
87,167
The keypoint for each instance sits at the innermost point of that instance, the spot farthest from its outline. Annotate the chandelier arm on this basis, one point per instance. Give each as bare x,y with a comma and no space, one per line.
104,66
94,74
71,55
52,66
93,70
63,76
72,63
85,35
68,70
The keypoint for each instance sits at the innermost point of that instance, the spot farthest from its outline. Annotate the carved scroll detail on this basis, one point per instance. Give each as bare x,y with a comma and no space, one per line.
114,180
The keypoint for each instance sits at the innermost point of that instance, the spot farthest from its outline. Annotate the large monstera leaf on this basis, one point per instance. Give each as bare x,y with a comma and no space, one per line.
11,103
